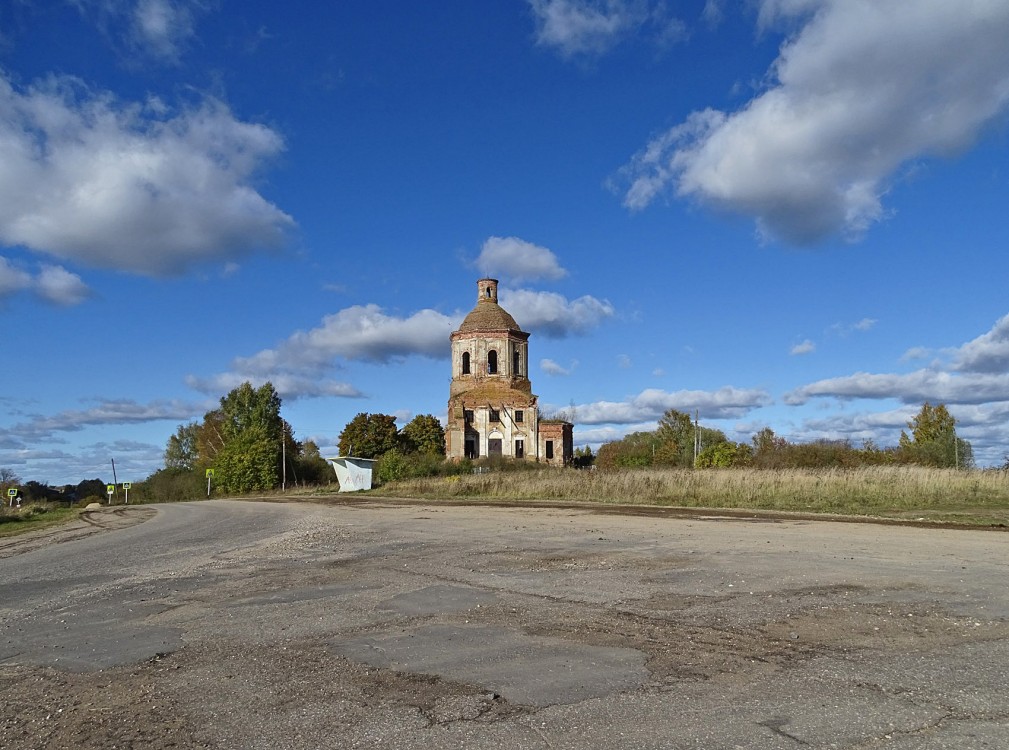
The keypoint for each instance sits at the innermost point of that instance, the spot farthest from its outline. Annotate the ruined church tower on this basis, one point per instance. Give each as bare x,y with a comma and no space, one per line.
491,408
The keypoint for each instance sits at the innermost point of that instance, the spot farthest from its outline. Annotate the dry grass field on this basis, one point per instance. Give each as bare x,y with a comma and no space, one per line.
905,492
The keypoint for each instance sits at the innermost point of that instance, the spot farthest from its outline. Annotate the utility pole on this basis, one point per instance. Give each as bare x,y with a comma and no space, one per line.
697,437
283,454
115,480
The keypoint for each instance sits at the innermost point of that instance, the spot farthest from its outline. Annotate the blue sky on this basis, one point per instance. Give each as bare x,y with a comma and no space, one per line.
784,213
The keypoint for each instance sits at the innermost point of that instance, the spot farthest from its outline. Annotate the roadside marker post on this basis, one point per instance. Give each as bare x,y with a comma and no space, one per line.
110,488
126,489
210,474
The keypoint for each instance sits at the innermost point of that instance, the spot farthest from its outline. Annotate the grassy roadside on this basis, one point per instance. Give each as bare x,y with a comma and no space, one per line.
904,492
34,516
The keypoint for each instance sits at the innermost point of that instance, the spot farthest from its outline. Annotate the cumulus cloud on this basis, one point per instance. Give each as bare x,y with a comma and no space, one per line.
61,287
12,279
366,333
552,314
553,368
593,27
988,353
518,260
916,352
972,380
803,347
910,388
53,284
861,89
287,385
361,332
725,403
130,186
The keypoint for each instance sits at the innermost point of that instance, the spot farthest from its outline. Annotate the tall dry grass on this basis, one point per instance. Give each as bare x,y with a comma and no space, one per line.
879,491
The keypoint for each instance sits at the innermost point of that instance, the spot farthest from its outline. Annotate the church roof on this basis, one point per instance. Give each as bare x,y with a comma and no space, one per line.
488,316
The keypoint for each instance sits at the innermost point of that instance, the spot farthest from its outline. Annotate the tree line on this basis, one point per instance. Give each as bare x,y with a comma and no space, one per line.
680,442
249,447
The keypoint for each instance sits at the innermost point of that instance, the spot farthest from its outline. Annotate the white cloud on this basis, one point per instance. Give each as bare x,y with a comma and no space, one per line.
162,26
725,403
596,436
861,89
12,279
988,353
624,362
552,368
804,347
361,332
107,411
518,260
287,385
916,352
593,27
152,29
846,329
582,26
53,284
911,388
58,285
552,314
128,186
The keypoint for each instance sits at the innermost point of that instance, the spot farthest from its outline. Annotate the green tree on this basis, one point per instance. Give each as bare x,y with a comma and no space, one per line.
423,434
182,450
724,455
249,461
369,436
312,468
584,457
933,440
246,407
635,450
90,489
676,435
170,485
676,439
245,435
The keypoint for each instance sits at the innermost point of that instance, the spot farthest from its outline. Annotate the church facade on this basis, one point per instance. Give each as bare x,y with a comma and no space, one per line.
492,411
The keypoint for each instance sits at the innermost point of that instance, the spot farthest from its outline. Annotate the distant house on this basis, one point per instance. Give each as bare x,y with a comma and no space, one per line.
492,411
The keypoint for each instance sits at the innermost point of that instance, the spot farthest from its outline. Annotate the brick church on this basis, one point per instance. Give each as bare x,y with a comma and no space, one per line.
492,410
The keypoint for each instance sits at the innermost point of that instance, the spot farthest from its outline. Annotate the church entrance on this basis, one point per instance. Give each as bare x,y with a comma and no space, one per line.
494,447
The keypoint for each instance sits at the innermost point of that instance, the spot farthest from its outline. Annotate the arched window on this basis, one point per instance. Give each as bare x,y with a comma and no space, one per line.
492,362
515,364
465,363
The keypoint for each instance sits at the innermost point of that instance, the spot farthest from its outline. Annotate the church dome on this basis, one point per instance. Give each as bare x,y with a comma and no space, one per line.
488,315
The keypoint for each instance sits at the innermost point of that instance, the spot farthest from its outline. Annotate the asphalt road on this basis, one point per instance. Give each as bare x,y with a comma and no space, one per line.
259,625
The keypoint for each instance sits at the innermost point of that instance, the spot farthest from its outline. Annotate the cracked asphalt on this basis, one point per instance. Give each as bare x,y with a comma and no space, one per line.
263,625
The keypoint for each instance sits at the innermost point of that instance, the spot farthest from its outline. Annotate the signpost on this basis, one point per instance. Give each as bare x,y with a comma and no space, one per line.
12,493
126,488
110,488
210,473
